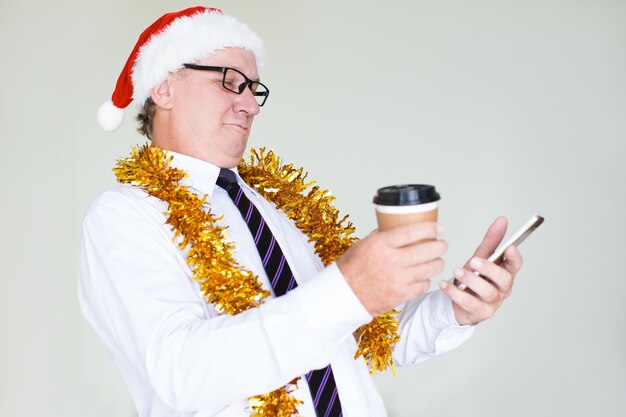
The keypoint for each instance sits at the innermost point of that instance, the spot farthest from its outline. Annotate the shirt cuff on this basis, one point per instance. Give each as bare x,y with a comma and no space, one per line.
330,305
442,311
428,328
452,334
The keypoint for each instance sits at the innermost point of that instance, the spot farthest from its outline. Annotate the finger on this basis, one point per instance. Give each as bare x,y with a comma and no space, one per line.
474,310
492,238
411,233
512,260
422,252
499,276
457,296
419,288
424,271
477,286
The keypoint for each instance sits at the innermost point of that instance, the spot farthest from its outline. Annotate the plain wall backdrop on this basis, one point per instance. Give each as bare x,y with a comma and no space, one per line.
509,107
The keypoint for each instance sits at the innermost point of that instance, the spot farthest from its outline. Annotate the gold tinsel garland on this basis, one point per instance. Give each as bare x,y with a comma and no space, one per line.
313,213
229,286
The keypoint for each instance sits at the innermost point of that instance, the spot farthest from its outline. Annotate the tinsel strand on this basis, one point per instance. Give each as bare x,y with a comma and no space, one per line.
331,234
224,283
227,285
279,403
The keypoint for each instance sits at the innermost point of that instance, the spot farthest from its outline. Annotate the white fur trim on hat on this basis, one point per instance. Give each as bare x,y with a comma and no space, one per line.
187,40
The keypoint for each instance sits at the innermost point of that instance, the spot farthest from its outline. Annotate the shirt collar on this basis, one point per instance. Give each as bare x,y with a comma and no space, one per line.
202,175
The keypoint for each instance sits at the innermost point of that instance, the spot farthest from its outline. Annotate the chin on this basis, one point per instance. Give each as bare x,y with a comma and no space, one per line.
234,160
239,153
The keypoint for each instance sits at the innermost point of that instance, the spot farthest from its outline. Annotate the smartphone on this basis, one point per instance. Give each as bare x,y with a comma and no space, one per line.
498,256
517,238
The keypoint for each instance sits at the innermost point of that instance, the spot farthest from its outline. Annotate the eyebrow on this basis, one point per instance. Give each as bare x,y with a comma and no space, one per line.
258,79
236,68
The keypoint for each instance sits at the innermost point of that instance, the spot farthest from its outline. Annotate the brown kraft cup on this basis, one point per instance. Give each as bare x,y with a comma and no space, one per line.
398,205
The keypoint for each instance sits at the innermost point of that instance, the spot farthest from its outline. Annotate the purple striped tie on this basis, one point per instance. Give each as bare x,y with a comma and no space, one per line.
321,382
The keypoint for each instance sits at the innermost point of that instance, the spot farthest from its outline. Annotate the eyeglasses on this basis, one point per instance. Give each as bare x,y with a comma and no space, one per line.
236,81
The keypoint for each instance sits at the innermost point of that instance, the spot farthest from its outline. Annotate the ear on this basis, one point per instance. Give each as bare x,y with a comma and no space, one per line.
162,93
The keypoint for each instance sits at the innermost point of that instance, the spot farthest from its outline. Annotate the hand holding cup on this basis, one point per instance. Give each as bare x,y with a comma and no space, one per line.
396,262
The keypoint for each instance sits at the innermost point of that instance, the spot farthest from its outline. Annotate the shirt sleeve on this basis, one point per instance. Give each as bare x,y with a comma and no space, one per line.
135,289
428,328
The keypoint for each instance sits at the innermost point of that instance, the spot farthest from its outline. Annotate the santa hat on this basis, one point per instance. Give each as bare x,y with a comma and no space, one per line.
173,40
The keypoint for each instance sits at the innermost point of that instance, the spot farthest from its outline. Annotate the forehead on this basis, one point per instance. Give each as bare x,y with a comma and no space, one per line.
237,58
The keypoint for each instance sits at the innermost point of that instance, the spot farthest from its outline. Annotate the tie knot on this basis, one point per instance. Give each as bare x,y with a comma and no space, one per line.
226,178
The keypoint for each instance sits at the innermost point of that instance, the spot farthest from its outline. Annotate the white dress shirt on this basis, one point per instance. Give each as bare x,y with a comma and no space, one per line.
178,357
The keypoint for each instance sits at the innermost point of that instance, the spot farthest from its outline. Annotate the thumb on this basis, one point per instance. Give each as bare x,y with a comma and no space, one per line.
492,238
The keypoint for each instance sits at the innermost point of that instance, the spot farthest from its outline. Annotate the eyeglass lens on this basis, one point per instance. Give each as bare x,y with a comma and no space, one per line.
236,82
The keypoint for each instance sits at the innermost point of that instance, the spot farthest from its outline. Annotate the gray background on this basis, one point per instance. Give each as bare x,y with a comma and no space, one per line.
509,107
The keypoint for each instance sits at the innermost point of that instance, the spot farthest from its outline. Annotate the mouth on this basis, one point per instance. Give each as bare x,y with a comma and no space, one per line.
238,126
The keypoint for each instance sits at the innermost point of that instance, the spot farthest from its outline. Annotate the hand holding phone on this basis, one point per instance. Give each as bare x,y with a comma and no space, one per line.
498,256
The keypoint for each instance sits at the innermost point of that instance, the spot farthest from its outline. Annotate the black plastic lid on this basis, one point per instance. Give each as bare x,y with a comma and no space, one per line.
406,195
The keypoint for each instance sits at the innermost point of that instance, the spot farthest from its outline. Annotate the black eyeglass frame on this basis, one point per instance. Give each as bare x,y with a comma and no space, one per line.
241,87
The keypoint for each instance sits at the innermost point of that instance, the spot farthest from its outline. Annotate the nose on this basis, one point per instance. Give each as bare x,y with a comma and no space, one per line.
247,103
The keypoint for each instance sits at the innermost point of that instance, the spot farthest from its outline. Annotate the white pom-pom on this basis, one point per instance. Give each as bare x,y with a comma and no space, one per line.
109,116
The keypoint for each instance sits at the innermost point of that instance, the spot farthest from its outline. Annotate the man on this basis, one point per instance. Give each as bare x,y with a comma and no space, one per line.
195,74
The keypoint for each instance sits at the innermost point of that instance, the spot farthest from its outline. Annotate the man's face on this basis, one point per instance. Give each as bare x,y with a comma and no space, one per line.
207,121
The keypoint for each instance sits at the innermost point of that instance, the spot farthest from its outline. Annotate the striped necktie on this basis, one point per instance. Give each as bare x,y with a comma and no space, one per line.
321,382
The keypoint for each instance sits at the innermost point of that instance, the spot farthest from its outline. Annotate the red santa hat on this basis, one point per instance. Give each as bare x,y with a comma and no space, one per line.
173,40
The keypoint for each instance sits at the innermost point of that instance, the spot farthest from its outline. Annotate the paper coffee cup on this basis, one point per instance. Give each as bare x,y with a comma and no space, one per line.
398,205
